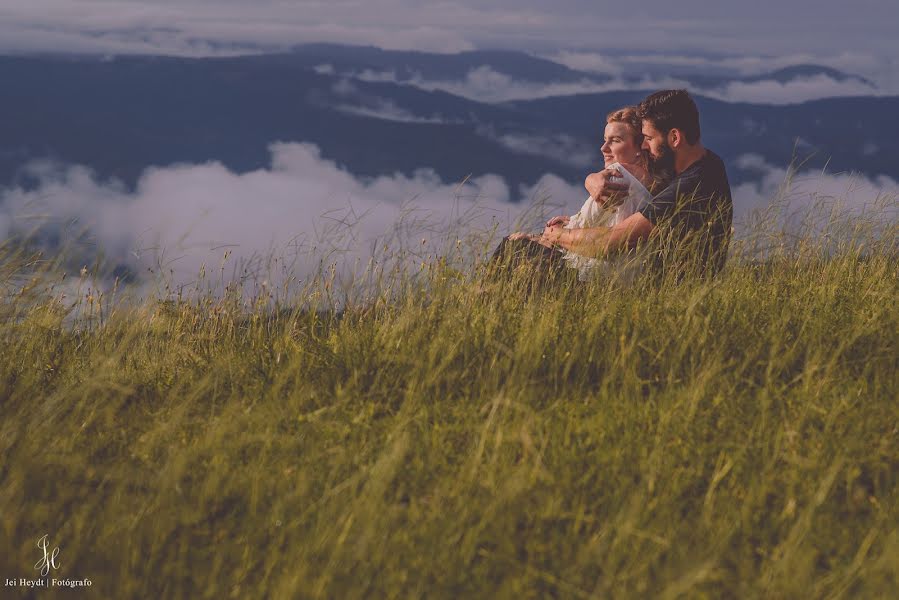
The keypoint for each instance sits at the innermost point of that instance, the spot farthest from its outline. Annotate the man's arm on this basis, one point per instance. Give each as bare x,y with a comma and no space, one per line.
601,241
603,189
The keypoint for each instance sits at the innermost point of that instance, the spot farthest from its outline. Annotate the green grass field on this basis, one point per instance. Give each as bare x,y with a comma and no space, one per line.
444,439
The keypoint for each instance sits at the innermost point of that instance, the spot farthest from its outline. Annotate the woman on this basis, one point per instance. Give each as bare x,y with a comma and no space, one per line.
621,149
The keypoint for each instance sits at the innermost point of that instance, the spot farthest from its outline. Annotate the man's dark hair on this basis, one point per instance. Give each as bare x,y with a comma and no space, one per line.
672,109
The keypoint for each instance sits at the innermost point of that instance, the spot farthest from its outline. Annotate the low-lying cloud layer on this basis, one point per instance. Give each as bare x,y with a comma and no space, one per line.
484,84
561,148
301,207
354,102
387,110
794,91
310,212
881,70
793,192
855,63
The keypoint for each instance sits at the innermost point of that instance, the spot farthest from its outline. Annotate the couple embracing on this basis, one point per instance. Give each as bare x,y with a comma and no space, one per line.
661,190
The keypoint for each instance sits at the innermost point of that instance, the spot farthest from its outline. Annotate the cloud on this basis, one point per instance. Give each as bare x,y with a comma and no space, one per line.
208,28
753,64
593,62
484,84
302,208
367,105
681,36
307,212
794,91
789,192
345,87
686,29
552,196
389,111
560,148
372,76
878,68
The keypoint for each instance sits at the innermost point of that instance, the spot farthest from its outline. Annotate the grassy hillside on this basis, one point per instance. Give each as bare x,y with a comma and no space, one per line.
452,438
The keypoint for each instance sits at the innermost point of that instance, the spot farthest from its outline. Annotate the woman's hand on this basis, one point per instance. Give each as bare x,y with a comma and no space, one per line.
536,237
560,220
518,235
551,235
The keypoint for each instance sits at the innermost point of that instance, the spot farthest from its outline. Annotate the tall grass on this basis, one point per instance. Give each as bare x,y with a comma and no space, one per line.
442,436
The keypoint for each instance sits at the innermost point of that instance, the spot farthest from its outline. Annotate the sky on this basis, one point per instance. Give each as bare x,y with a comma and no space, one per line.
858,37
768,27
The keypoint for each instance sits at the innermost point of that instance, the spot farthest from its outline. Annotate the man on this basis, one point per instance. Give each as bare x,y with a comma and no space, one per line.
688,222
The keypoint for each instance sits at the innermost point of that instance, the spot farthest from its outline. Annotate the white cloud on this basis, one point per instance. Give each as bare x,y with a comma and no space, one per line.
561,148
552,195
197,27
484,84
682,30
387,110
792,92
880,69
372,76
784,194
365,105
749,64
302,208
593,62
344,87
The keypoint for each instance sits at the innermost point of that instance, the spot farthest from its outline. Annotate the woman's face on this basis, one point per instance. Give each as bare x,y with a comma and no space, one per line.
619,144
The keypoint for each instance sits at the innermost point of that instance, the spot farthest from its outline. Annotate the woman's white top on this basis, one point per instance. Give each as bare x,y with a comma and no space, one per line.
592,214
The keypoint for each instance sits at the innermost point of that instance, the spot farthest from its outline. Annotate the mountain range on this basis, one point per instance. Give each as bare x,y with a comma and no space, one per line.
372,112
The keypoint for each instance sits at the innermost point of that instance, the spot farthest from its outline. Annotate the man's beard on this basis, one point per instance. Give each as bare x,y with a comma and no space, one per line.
662,167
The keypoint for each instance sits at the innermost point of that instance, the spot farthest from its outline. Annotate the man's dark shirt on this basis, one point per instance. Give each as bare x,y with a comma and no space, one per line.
693,216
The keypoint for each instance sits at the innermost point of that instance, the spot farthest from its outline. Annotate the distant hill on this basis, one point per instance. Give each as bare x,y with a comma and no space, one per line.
846,134
407,65
124,114
805,71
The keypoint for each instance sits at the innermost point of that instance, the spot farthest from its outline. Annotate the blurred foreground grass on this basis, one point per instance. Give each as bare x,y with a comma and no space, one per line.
732,439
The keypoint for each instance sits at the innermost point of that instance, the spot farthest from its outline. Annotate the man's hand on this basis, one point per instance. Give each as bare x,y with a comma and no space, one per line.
602,187
562,220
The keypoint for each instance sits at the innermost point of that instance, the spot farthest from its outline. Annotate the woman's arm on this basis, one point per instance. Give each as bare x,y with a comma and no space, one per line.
534,237
600,241
560,220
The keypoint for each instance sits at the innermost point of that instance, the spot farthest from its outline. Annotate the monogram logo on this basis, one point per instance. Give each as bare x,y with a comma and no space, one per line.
48,561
